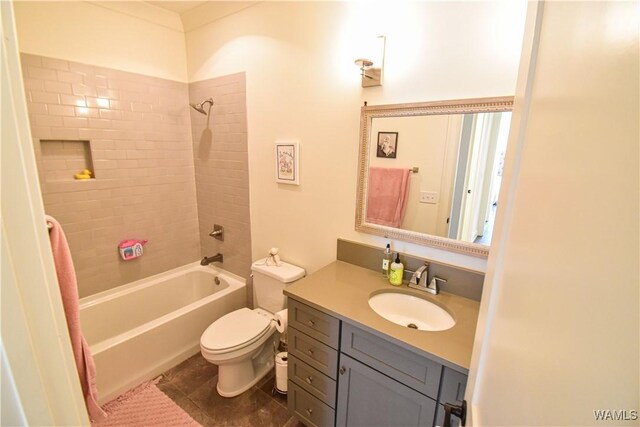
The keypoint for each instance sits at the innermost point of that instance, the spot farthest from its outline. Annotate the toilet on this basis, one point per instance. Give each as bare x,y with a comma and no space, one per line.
243,343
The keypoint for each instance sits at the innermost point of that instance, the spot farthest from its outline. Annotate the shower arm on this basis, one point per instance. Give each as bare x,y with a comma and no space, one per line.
199,107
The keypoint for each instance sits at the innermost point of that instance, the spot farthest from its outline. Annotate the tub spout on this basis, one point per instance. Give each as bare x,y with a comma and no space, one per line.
208,260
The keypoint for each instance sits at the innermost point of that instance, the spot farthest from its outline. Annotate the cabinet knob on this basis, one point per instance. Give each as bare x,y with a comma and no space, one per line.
310,351
311,323
342,370
309,379
309,411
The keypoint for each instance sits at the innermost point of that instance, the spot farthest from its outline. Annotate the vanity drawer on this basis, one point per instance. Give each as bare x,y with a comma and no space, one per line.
314,323
415,371
312,352
313,381
310,410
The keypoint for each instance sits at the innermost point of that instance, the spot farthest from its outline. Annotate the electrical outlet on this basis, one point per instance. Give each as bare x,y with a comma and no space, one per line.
430,197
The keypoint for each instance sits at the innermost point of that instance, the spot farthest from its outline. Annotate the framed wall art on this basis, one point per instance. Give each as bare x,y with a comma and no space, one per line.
288,163
387,145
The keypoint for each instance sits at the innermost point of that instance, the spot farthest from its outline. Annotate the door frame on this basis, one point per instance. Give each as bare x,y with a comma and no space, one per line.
36,349
504,214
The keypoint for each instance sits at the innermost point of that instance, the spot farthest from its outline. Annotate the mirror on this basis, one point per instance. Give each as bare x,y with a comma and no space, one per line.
430,173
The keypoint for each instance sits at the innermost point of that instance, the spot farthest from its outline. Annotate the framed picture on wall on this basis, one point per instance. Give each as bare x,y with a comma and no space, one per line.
288,163
387,145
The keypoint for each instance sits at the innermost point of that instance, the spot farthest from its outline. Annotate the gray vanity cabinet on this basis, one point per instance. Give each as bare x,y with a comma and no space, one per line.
382,383
340,374
403,365
313,338
369,398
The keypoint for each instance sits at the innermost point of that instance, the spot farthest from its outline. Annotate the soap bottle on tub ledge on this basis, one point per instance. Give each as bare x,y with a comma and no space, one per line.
396,271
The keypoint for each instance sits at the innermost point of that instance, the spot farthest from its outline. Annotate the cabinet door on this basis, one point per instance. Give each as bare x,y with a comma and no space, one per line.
405,366
369,398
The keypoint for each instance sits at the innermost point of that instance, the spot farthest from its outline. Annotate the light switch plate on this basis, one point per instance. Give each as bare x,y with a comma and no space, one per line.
429,197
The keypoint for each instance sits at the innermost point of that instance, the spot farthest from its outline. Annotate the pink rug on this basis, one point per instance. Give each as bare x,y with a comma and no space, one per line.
145,405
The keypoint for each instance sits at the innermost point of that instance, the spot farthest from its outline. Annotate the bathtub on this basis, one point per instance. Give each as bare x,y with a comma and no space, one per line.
138,330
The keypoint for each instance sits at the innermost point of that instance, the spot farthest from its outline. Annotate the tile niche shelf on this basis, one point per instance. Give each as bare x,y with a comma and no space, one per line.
62,159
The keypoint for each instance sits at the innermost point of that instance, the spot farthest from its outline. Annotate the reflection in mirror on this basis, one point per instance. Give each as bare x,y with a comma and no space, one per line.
431,173
459,161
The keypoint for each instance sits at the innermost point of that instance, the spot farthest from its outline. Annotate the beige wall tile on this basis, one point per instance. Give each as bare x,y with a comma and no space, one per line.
126,200
163,172
218,161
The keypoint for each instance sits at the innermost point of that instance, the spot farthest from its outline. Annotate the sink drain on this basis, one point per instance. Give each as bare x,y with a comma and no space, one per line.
412,326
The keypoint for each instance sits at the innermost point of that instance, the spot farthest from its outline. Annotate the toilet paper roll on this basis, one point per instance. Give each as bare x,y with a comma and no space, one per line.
281,372
281,320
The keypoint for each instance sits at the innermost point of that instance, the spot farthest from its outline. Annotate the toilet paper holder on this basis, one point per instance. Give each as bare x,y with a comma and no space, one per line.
280,383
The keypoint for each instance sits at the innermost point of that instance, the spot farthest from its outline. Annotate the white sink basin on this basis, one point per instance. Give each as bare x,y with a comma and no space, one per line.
410,311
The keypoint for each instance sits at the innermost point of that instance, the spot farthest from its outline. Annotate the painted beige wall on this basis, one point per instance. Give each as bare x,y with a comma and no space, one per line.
560,313
110,36
302,85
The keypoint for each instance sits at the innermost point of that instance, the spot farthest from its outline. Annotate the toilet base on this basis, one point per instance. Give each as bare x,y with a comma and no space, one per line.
236,384
238,377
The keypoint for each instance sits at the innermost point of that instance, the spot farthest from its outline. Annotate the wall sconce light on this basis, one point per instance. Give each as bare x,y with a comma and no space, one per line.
372,64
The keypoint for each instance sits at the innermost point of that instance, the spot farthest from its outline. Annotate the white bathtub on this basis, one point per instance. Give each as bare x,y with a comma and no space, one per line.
138,330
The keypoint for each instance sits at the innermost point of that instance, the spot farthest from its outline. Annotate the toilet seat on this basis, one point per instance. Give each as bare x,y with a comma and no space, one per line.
234,330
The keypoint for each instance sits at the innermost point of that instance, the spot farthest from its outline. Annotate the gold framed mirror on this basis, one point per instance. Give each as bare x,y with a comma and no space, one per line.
429,173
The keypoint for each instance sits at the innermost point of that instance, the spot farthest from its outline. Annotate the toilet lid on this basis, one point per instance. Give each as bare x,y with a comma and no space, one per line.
233,329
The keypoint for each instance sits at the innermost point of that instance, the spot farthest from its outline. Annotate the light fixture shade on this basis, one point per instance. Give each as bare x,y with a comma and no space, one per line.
363,63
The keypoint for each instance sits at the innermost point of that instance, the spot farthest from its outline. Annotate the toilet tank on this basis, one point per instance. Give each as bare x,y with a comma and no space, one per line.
269,282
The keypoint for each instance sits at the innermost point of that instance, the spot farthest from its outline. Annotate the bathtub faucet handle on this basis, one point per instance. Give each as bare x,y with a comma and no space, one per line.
218,232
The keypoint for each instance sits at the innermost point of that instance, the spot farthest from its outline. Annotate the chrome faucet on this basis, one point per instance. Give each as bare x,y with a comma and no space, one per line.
419,280
208,260
420,275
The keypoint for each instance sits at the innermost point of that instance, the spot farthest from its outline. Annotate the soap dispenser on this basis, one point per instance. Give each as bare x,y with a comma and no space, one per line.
387,259
396,271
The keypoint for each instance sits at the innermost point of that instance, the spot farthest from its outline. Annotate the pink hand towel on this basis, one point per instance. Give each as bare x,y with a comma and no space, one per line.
70,300
387,196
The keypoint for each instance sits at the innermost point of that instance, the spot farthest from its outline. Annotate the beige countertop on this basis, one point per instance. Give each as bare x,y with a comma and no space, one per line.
342,290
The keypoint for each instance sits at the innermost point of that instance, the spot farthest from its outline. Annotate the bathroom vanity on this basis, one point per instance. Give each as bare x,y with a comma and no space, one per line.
349,366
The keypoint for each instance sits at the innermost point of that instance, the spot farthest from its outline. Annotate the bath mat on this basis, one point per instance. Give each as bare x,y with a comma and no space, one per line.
144,405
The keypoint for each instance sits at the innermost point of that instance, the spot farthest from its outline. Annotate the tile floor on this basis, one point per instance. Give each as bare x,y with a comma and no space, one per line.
192,385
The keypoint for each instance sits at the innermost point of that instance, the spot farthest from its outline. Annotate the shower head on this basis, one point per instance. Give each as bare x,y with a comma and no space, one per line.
200,107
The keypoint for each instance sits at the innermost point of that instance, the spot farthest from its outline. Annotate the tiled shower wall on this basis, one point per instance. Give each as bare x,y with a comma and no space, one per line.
139,132
221,169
